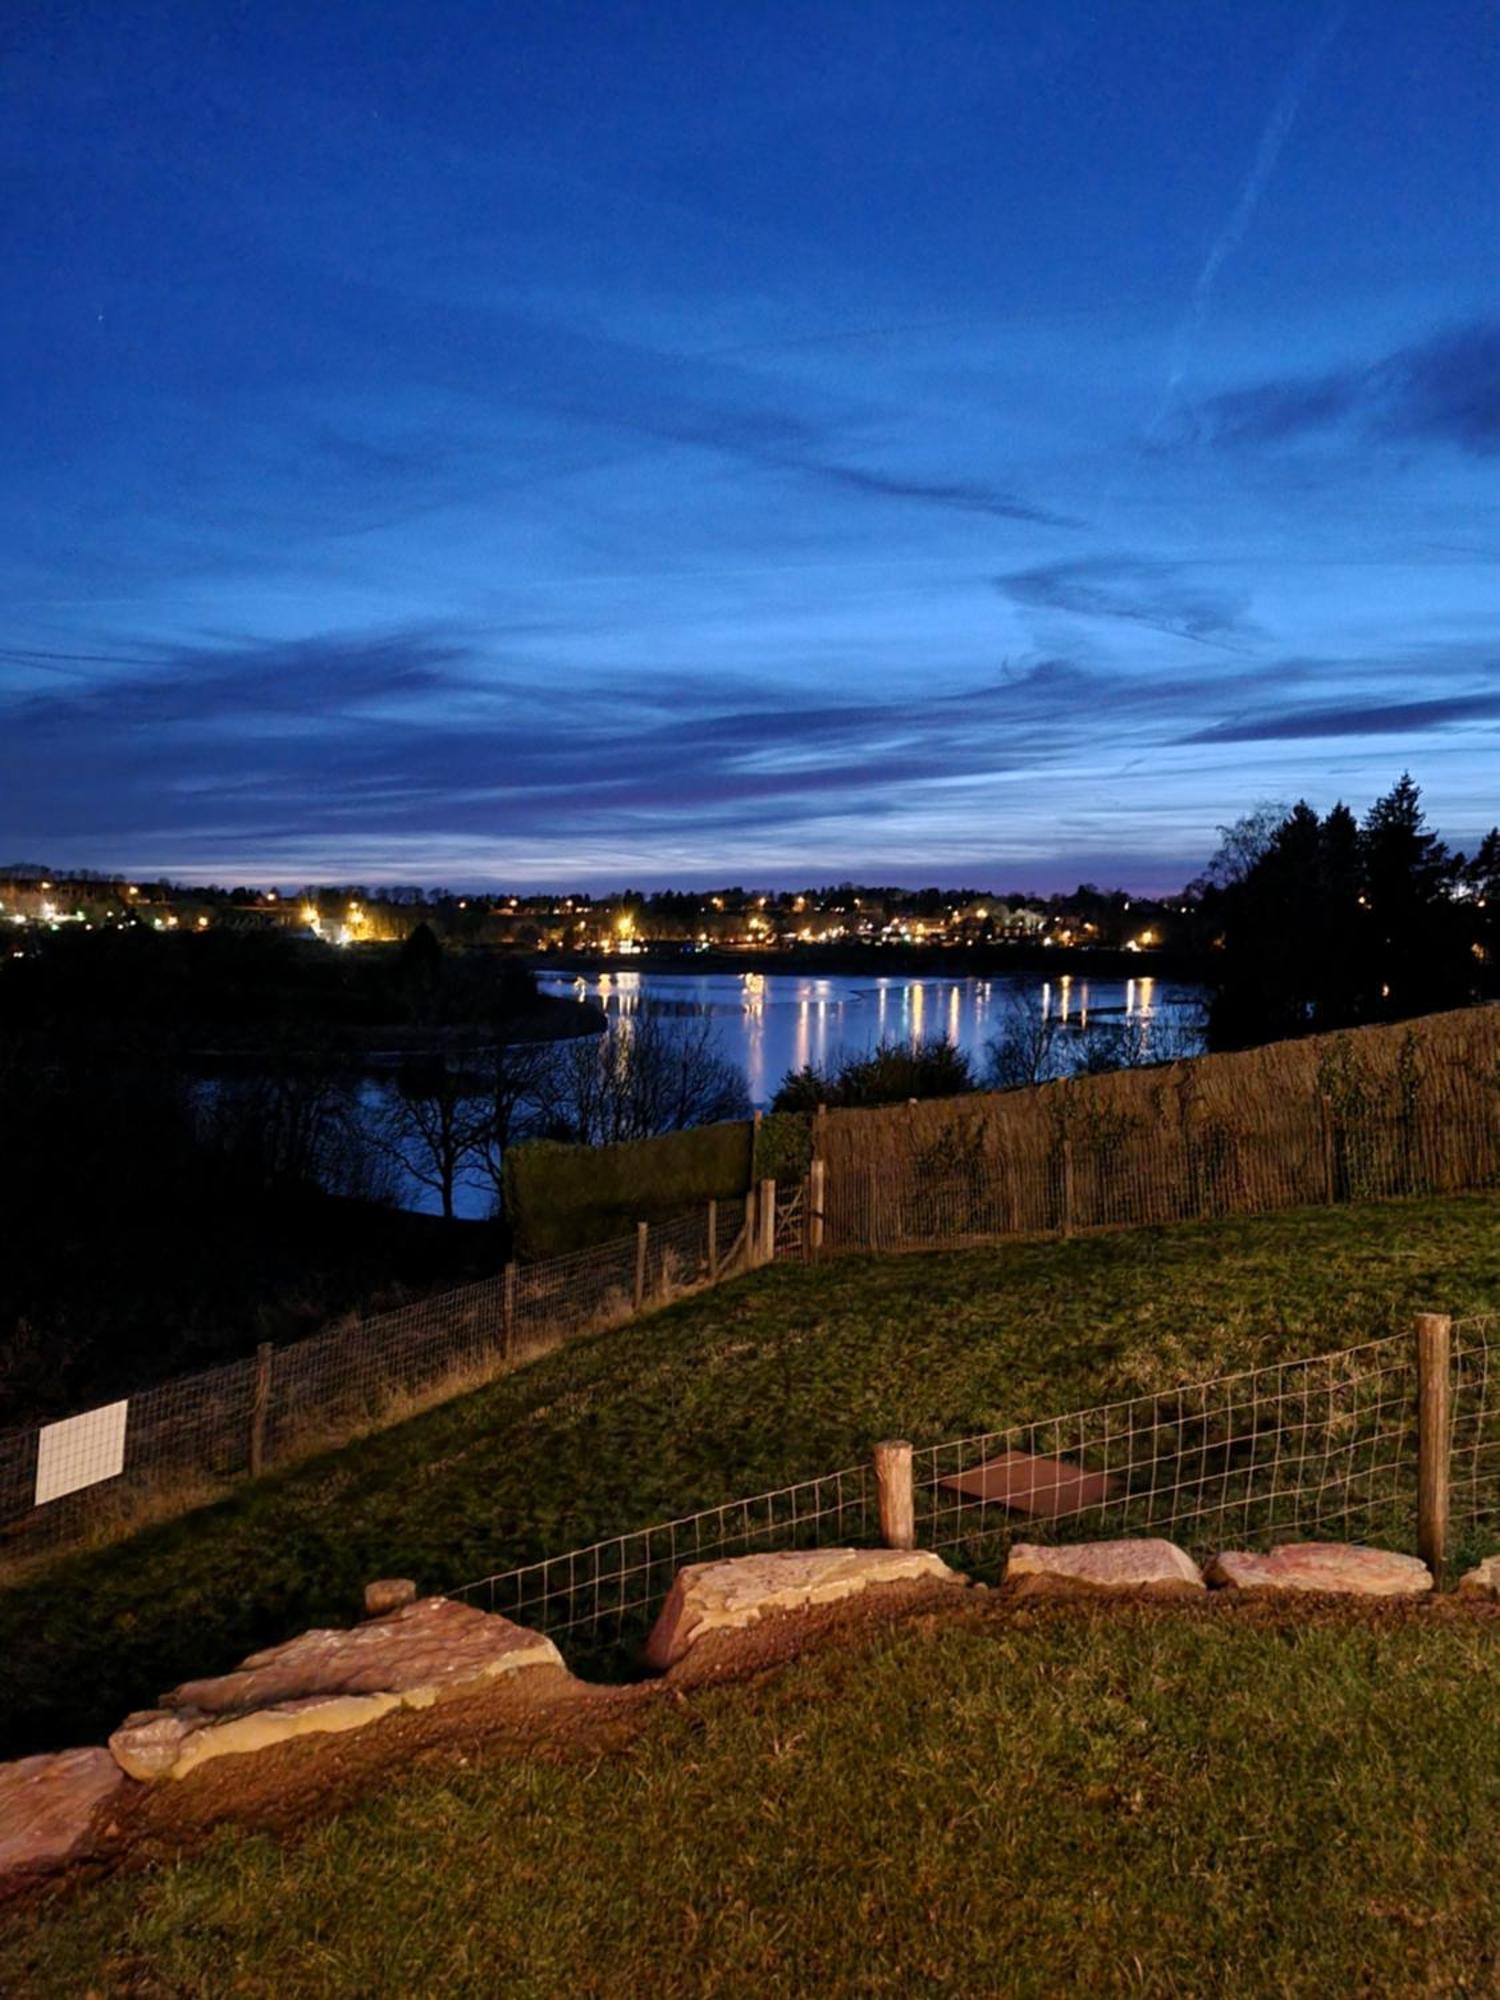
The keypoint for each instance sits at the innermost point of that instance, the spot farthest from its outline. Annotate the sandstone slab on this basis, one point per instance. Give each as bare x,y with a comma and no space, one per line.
170,1742
1481,1581
1147,1564
1336,1567
48,1806
728,1596
326,1681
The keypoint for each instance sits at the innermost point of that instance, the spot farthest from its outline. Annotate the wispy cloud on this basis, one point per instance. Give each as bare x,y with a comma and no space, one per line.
1366,718
1445,389
1157,595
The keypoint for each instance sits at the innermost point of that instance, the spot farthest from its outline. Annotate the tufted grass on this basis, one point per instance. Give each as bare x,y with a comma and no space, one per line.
779,1376
1073,1801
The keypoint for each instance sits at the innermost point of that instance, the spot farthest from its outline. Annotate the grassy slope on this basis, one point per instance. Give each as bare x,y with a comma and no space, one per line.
788,1374
1086,1801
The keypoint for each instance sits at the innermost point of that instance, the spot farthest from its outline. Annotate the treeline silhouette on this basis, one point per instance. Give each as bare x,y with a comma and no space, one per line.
1335,922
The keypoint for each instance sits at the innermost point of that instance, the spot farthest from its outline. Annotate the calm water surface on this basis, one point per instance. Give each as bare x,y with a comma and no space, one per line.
772,1022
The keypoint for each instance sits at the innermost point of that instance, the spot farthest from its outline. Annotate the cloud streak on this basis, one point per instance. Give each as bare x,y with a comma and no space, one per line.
1152,594
1444,389
1273,137
1370,718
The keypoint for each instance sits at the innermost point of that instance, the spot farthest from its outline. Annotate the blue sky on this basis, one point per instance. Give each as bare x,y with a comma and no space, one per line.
550,443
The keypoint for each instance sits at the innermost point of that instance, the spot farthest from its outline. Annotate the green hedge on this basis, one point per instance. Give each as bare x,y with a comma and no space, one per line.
783,1147
561,1198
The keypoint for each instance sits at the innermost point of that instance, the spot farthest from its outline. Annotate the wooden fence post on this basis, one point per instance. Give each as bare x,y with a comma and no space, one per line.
817,1188
642,1233
713,1242
1434,1433
1330,1157
893,1485
259,1408
508,1312
1067,1187
752,1245
767,1222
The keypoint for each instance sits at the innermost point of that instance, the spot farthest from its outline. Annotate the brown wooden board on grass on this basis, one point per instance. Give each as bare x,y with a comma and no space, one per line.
1044,1488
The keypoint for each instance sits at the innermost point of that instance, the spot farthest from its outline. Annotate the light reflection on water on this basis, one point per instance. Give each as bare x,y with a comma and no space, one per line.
772,1022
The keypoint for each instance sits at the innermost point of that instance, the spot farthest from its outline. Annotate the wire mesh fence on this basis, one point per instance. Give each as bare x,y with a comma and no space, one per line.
1324,1448
1474,1449
603,1597
166,1447
1318,1448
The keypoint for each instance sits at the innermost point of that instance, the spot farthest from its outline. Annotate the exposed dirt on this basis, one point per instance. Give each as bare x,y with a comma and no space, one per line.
545,1712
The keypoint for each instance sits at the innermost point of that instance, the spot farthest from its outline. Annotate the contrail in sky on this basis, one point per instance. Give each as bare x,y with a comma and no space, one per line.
1272,139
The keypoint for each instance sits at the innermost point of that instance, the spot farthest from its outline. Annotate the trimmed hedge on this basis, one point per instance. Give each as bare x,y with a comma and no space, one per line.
783,1147
561,1198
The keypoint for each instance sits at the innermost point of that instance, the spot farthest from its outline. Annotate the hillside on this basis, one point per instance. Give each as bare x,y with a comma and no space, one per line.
1012,1799
789,1373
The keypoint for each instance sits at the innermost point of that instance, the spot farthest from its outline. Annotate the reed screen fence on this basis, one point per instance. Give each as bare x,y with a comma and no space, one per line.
1115,1172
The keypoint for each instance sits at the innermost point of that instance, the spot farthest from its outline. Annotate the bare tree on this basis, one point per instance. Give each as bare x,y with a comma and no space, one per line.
1028,1047
1119,1041
513,1080
648,1074
435,1124
294,1119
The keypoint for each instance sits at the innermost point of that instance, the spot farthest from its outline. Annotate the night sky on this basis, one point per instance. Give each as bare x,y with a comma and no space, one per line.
564,444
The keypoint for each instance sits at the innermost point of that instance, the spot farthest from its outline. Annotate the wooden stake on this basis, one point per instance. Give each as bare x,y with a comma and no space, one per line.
259,1408
767,1222
1434,1433
642,1232
1330,1158
817,1188
713,1241
893,1484
508,1312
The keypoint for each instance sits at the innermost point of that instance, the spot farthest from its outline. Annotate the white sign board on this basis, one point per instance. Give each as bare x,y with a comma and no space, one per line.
80,1451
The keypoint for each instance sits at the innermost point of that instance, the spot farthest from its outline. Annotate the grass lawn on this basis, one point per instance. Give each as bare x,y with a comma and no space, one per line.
1060,1801
783,1375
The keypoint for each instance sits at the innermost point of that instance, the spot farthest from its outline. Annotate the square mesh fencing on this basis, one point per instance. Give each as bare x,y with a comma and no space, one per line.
1323,1448
1474,1451
605,1596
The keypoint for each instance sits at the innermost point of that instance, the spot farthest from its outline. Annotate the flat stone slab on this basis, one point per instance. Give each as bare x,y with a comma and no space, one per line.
1046,1489
1147,1564
324,1681
727,1596
47,1807
1337,1567
1481,1581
